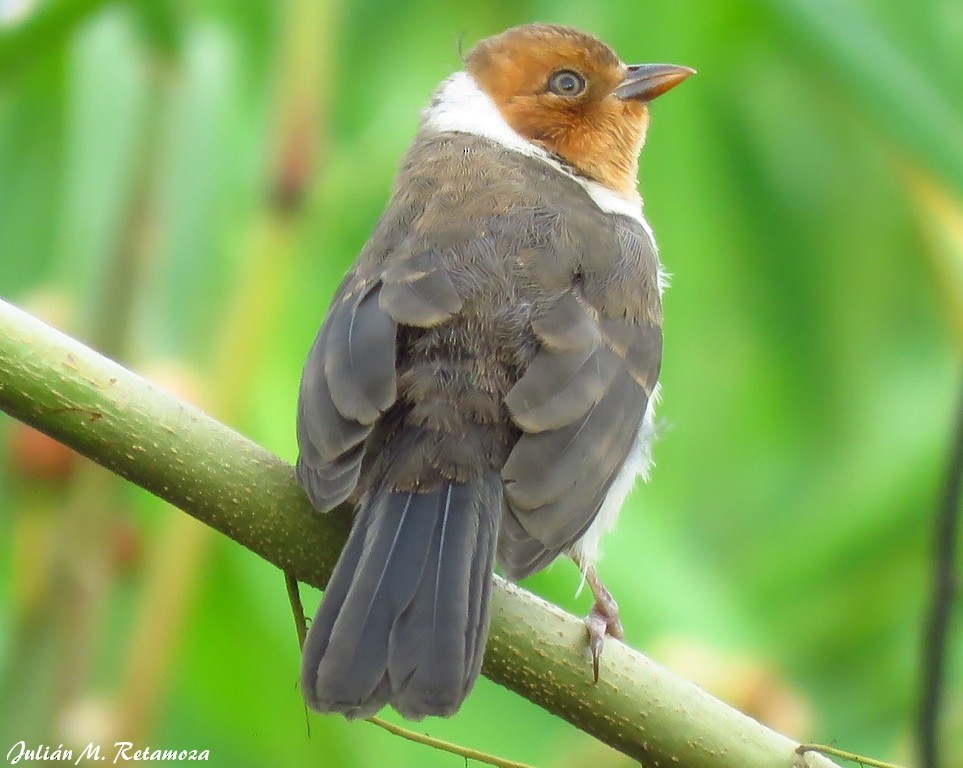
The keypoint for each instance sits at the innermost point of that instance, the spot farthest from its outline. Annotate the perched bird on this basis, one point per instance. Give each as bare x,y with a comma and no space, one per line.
482,385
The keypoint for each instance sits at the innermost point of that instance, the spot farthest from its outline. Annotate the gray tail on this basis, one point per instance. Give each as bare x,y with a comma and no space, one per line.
404,619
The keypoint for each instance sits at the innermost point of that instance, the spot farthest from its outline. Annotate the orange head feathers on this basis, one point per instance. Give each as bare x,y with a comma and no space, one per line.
570,94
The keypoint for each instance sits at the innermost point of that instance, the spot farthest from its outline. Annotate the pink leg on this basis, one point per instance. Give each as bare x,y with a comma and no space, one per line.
604,617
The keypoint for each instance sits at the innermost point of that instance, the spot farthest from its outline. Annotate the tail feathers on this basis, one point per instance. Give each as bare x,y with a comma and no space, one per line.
404,619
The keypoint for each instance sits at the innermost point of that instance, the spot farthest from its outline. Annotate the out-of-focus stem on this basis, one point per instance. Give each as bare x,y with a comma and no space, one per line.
249,323
945,589
72,610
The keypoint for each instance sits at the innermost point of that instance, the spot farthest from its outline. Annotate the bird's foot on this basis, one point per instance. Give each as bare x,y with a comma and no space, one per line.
602,620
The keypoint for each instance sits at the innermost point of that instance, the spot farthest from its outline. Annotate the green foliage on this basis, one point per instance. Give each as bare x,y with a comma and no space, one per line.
196,177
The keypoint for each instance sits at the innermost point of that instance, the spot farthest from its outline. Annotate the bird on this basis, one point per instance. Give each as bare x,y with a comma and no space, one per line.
481,389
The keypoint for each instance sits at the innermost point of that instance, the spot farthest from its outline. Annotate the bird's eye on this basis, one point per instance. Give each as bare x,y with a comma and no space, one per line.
565,82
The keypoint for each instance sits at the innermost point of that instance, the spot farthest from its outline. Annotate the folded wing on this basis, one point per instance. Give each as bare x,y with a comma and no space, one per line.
350,377
579,405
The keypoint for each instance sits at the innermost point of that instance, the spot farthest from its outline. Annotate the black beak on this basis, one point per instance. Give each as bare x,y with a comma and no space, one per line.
643,82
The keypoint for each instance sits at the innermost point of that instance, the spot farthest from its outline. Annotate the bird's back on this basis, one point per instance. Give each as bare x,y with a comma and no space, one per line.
513,236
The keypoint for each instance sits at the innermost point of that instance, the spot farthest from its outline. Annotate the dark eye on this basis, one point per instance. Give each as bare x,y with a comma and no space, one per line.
565,82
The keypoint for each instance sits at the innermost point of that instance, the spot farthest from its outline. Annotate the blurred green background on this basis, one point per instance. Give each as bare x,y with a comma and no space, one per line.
183,184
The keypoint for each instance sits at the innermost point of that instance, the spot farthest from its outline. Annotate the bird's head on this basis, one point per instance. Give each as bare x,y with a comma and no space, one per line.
568,93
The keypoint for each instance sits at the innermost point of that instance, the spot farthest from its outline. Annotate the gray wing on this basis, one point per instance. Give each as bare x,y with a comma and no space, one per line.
350,377
579,405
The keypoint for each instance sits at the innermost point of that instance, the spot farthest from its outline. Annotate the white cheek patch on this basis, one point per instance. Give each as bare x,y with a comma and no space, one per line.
460,105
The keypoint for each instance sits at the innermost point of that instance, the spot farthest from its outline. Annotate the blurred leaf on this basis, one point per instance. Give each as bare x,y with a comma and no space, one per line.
881,81
161,23
32,134
106,106
942,216
47,26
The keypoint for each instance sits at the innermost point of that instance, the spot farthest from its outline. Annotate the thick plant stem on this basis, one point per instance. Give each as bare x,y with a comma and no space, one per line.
227,482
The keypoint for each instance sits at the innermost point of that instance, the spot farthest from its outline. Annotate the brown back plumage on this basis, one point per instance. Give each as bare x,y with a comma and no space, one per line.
493,299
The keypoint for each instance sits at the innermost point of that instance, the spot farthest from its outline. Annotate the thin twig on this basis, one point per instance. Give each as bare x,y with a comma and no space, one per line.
445,746
852,756
937,628
297,607
300,626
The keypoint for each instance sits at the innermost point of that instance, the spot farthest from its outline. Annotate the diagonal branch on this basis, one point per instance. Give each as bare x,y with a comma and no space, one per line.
224,480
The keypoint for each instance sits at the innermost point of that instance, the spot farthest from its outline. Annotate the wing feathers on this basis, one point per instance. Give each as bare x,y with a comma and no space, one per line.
350,378
579,404
324,433
569,324
639,345
557,389
579,484
359,357
417,291
569,376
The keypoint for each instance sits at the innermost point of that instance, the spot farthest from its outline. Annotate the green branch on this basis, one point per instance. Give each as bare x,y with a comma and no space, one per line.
227,482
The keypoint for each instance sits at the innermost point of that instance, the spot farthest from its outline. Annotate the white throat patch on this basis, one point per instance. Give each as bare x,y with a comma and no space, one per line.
460,105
